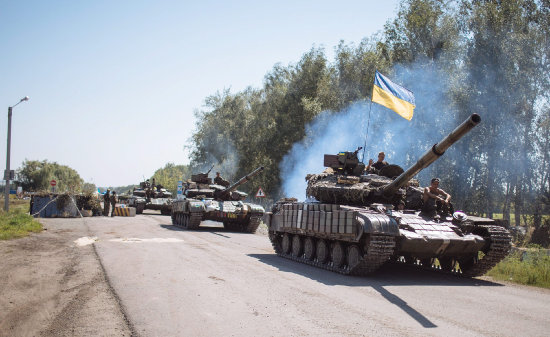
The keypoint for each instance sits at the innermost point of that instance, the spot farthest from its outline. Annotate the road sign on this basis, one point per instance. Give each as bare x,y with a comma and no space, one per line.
53,182
260,193
10,174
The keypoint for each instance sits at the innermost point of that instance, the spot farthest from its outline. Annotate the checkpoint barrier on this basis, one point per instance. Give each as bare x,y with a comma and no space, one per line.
125,211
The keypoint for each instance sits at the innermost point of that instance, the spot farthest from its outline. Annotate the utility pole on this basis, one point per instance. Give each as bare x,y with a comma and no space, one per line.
7,174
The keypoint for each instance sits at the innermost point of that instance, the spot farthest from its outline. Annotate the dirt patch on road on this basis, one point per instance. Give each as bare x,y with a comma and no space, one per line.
51,286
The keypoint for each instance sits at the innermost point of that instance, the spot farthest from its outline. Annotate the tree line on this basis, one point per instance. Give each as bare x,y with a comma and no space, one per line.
459,57
491,57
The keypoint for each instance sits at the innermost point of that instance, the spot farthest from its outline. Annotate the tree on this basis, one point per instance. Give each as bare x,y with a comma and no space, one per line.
170,174
36,175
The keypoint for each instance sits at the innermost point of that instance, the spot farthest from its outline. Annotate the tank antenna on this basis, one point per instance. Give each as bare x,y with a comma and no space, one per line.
367,134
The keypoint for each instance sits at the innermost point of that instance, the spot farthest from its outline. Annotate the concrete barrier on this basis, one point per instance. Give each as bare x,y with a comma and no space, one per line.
125,211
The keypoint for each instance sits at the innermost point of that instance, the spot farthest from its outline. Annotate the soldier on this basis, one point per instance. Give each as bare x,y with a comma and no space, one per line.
106,203
435,199
220,181
378,165
113,203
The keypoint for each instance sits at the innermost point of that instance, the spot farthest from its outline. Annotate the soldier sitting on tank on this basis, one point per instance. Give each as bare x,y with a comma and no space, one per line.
220,181
435,200
375,167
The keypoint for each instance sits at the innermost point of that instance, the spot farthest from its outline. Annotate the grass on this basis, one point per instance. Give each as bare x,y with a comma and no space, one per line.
17,223
531,269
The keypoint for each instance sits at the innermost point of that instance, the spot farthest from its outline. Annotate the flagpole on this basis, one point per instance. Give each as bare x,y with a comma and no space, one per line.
367,134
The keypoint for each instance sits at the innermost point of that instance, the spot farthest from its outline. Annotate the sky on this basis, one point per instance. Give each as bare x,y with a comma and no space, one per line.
113,85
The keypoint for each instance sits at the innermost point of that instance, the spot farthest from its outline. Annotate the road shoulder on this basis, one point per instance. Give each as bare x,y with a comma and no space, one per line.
53,287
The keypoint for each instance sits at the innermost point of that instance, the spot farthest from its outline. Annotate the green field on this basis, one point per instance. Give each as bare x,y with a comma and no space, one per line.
531,268
17,222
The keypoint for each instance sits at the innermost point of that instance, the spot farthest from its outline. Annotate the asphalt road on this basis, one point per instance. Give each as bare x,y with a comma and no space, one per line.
211,282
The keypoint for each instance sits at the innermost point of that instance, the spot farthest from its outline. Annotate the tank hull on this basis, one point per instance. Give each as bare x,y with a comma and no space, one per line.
359,240
164,205
235,215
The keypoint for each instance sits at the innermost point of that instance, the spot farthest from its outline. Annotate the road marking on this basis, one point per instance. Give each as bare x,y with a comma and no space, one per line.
86,240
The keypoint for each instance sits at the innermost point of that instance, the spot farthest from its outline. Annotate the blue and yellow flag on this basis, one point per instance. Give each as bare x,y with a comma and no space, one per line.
393,96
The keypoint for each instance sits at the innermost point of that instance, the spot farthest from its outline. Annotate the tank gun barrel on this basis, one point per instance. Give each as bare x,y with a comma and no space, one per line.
241,181
433,154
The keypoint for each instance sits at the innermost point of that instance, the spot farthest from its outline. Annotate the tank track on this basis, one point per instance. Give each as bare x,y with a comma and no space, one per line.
379,250
500,245
253,223
187,221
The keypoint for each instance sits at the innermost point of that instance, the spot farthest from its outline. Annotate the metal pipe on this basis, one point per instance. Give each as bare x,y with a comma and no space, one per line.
433,154
241,181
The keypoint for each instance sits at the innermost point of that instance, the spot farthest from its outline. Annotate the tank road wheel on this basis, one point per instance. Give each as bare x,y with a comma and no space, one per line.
309,248
354,256
467,263
185,220
286,243
446,263
338,255
427,263
297,247
322,251
408,259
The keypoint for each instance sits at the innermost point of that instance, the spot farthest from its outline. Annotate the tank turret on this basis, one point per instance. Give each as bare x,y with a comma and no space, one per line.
202,178
385,187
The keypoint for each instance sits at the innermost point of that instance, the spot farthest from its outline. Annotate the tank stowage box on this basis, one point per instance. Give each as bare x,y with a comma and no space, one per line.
217,203
361,221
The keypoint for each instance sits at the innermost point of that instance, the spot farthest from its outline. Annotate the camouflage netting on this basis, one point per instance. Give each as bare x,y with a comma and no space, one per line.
338,189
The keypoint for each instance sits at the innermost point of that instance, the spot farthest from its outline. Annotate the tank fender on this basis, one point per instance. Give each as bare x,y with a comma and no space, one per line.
375,223
196,206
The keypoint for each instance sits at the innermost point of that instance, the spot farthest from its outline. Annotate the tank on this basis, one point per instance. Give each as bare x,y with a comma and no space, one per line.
207,201
358,222
151,196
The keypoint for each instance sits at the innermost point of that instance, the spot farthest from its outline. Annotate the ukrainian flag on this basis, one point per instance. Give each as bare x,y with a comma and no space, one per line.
393,96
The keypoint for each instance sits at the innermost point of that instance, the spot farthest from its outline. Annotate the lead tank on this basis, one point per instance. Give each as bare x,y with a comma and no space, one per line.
356,227
207,201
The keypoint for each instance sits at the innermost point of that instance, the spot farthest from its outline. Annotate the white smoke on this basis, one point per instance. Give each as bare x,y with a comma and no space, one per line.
403,141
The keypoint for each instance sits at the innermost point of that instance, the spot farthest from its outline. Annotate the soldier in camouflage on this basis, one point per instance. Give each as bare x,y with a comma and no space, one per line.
106,204
113,203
